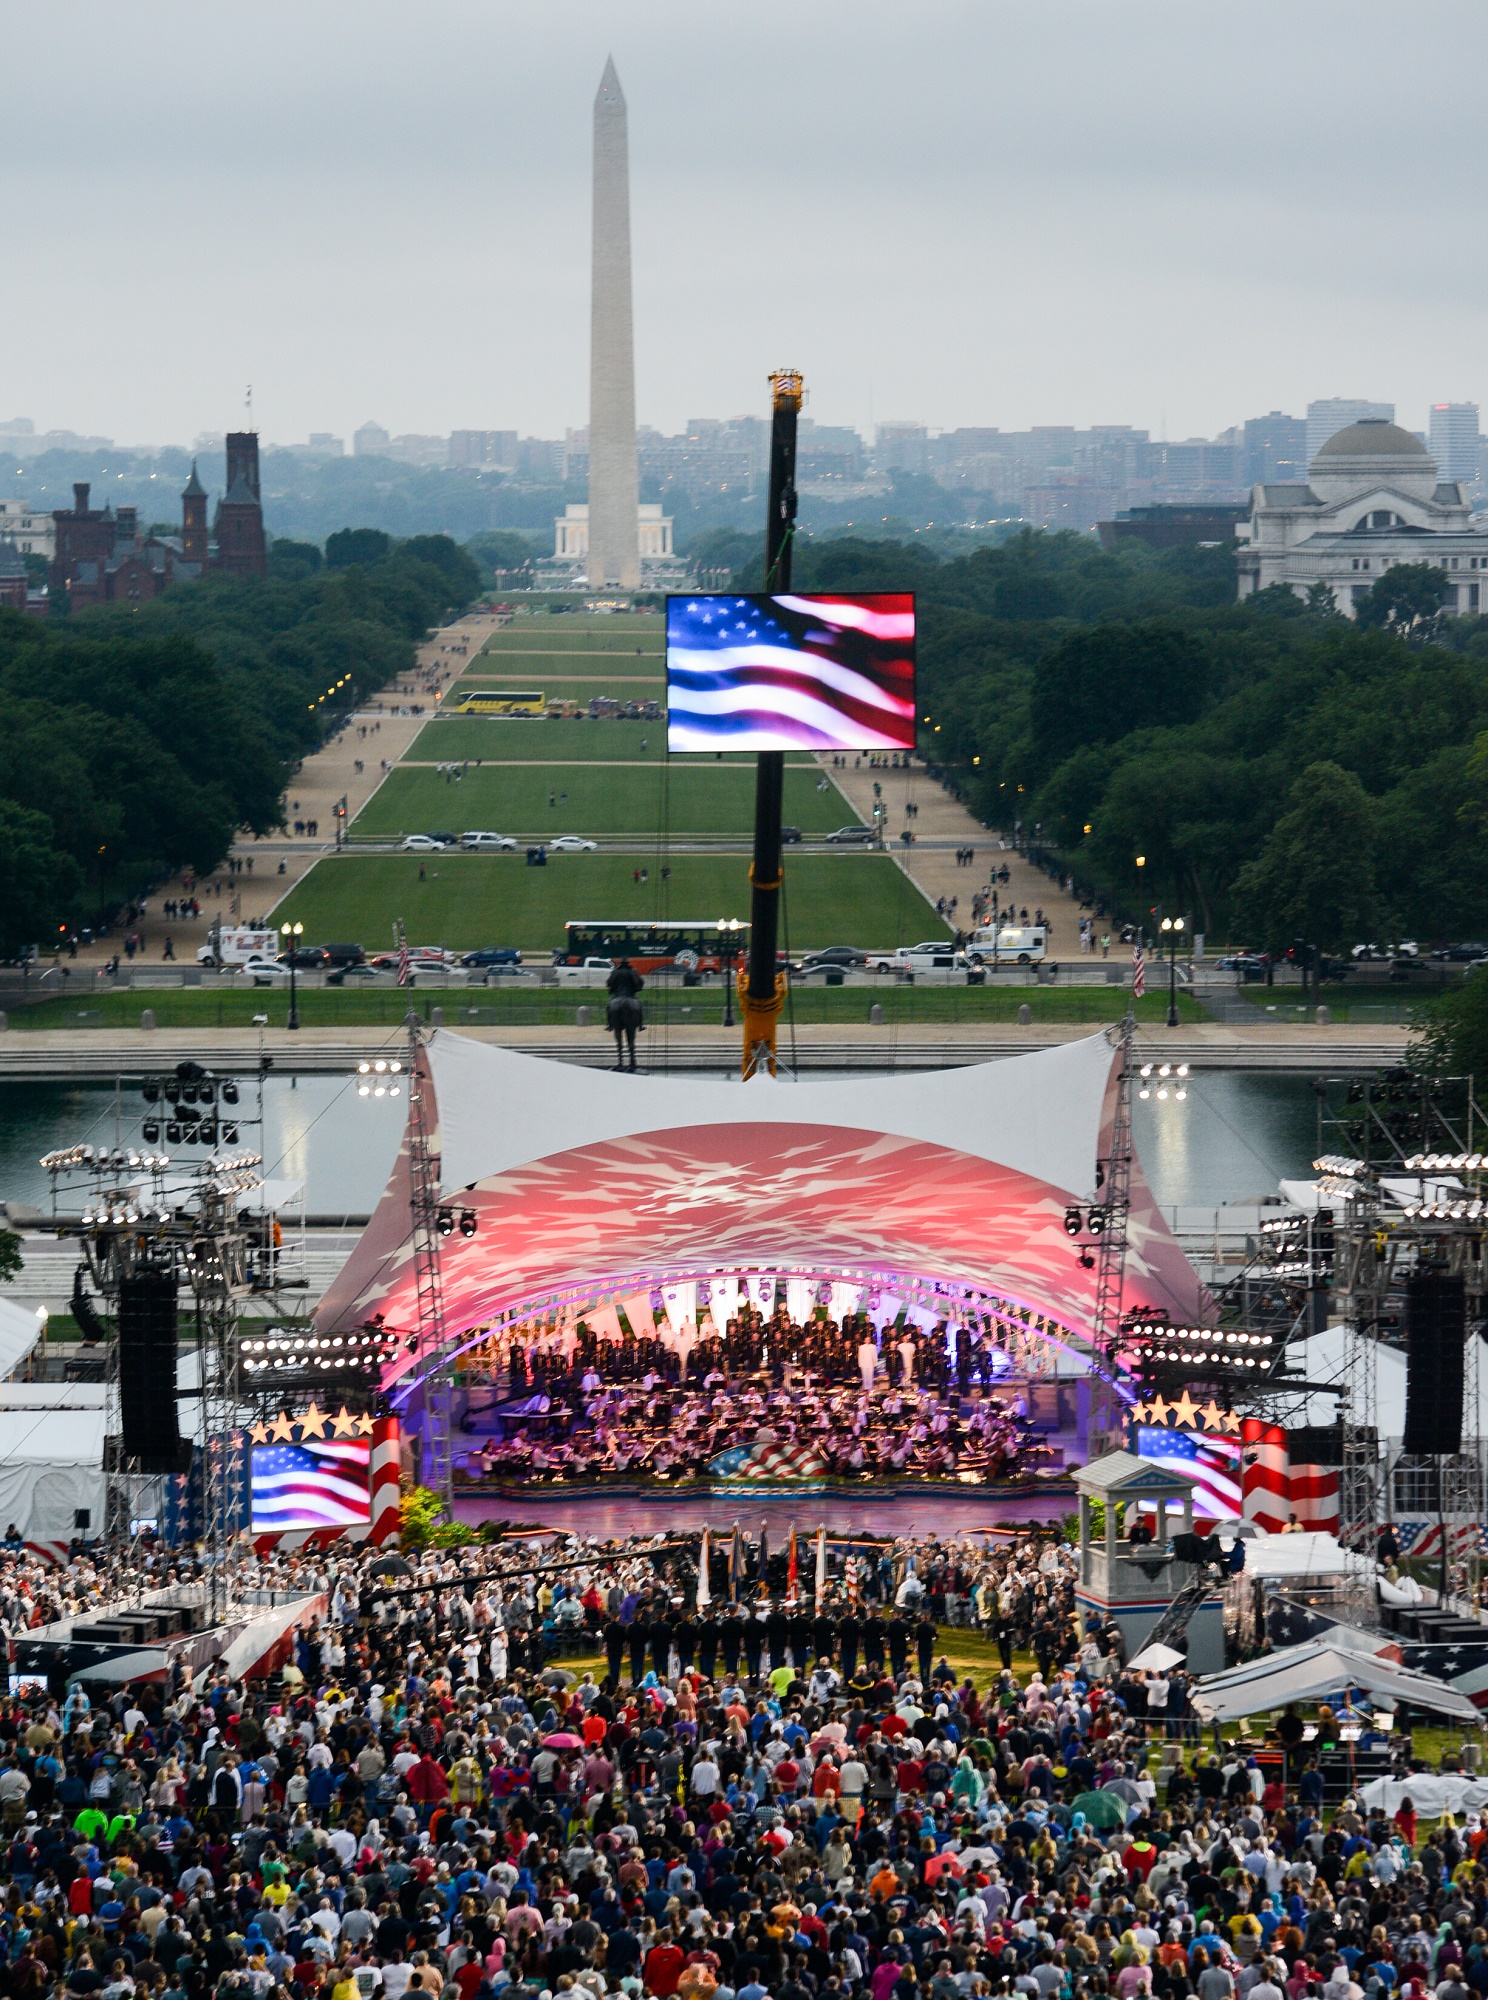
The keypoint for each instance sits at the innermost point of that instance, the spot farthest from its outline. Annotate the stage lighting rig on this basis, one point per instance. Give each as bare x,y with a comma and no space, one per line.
282,1359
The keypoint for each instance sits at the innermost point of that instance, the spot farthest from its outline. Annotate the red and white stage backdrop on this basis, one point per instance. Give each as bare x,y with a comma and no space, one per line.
1275,1486
584,1187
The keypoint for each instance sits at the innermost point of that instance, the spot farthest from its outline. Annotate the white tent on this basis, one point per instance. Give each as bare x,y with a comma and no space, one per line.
19,1332
1321,1358
1311,1672
51,1469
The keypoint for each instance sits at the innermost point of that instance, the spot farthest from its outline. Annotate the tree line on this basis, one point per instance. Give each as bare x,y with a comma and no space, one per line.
137,741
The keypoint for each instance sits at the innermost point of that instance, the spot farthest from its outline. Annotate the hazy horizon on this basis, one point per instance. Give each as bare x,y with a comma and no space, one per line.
974,214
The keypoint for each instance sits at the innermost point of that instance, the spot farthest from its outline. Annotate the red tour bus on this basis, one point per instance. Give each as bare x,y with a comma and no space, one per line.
654,947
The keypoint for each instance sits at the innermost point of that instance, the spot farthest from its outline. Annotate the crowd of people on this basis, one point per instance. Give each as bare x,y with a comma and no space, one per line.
629,1432
423,1802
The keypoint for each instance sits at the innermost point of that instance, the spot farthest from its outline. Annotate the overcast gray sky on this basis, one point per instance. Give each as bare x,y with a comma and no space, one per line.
1168,213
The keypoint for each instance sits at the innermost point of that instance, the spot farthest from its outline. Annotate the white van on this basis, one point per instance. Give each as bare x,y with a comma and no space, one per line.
235,944
1015,944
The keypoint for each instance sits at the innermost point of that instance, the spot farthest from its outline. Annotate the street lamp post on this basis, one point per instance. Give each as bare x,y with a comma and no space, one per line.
1173,927
292,933
728,945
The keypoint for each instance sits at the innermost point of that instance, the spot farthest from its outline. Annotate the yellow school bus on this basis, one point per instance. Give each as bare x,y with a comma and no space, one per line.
501,701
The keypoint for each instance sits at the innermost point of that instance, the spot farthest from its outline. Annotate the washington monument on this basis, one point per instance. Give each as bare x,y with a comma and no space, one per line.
614,550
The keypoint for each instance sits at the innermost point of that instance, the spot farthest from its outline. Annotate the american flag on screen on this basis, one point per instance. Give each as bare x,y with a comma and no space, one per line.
317,1484
791,673
1213,1461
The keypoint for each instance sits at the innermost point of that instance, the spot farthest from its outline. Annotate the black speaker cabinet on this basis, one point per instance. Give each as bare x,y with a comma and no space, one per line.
147,1371
1436,1342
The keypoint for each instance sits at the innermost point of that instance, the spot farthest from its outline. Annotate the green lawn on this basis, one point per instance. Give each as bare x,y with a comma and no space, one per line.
467,900
529,1006
547,640
543,740
590,799
559,687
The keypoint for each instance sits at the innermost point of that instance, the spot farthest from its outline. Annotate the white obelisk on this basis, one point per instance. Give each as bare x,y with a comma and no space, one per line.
614,489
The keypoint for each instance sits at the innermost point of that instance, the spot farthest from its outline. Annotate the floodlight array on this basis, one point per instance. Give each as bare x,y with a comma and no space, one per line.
1170,1080
1445,1211
313,1353
1232,1347
1446,1163
374,1079
1340,1166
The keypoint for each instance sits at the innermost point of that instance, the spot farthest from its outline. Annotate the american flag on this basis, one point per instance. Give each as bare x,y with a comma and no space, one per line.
320,1483
403,962
1214,1462
791,673
1139,973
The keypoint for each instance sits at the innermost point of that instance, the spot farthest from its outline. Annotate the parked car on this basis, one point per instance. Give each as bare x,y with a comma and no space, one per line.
487,843
1462,954
306,958
790,835
493,954
850,836
1368,951
898,960
422,843
572,843
420,959
1251,964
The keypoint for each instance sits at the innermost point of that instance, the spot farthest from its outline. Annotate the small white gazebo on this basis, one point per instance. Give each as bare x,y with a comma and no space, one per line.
1132,1584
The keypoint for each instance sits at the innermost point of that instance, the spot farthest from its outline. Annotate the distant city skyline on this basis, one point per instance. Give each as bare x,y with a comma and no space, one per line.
959,214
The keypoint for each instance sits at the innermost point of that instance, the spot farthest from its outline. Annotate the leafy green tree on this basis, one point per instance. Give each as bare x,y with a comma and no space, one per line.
10,1256
1451,1032
501,548
1320,600
1407,599
292,562
1103,682
356,545
1314,878
459,569
39,887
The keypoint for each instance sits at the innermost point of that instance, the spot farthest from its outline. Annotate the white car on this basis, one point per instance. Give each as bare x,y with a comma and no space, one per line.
488,843
264,972
572,843
422,843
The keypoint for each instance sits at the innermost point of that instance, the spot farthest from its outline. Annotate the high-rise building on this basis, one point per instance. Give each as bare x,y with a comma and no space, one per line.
903,447
1274,451
370,441
1332,414
614,482
1455,441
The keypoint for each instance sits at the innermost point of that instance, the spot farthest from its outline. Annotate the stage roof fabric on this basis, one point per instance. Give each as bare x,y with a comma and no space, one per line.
578,1179
1308,1673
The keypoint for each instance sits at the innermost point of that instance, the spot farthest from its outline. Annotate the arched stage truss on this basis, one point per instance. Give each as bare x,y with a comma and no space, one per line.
568,1191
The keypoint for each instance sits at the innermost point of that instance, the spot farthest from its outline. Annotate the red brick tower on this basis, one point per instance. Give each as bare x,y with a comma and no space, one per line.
194,546
241,547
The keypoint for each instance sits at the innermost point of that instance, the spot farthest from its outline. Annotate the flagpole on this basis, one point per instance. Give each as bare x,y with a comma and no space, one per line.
704,1595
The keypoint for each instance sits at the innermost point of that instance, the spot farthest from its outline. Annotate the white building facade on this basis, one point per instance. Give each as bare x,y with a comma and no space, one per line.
34,533
1373,499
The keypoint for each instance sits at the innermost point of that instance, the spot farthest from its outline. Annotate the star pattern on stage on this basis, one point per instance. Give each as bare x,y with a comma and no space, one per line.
259,1433
1213,1415
1185,1411
282,1428
1157,1411
364,1425
313,1422
344,1423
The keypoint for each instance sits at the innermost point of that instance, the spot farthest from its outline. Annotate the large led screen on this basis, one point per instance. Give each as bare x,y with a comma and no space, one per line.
319,1483
809,672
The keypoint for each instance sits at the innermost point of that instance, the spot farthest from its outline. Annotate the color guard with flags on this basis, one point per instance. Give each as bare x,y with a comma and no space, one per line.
735,1564
1139,973
791,1575
704,1595
821,1565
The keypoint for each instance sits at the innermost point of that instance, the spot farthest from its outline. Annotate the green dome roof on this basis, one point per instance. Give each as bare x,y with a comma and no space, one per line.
1373,437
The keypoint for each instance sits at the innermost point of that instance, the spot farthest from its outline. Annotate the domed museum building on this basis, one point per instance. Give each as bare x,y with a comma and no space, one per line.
1372,499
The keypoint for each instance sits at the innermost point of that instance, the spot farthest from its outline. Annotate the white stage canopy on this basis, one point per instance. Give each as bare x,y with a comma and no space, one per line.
587,1187
1311,1672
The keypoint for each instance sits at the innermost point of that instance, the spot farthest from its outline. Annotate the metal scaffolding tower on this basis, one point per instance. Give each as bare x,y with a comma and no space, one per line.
1113,1176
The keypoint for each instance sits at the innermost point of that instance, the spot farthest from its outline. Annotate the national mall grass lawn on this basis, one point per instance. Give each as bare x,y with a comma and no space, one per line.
466,900
525,1004
590,799
554,740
